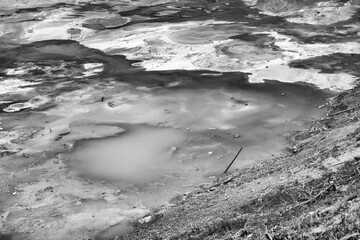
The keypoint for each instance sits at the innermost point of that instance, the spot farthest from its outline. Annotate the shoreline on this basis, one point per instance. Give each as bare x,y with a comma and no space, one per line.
245,205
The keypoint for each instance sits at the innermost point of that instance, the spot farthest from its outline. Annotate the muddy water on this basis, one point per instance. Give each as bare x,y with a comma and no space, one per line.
113,138
138,156
111,108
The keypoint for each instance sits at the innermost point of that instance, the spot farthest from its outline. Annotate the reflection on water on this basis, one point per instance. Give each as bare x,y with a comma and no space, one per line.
136,156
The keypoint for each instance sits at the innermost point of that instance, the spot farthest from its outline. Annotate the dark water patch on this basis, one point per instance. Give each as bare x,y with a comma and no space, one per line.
209,80
6,237
12,236
311,34
329,37
142,11
183,11
28,10
334,63
66,50
5,62
181,79
6,45
248,37
252,17
44,8
203,10
93,7
74,16
5,15
26,20
37,72
181,15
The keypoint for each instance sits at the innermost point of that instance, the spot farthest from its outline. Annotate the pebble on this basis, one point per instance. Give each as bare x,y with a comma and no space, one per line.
145,220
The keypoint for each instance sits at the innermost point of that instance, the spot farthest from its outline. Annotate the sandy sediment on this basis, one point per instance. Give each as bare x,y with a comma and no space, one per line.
172,47
309,12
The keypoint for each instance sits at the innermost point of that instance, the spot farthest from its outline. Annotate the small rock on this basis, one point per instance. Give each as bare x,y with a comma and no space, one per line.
282,94
145,220
227,181
236,135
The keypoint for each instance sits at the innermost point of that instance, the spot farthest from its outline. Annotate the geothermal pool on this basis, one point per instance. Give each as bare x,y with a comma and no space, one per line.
109,109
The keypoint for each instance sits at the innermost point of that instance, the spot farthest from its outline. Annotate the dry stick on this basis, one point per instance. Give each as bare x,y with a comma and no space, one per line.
233,160
346,110
350,236
312,199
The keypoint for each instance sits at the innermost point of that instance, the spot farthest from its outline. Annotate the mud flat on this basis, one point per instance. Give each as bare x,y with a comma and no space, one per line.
118,119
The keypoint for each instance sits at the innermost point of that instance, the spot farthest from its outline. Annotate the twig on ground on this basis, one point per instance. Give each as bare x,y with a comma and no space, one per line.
231,235
312,199
350,236
343,111
333,236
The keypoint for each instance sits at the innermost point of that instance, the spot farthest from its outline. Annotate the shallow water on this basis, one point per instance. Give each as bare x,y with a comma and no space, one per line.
138,156
111,108
151,135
